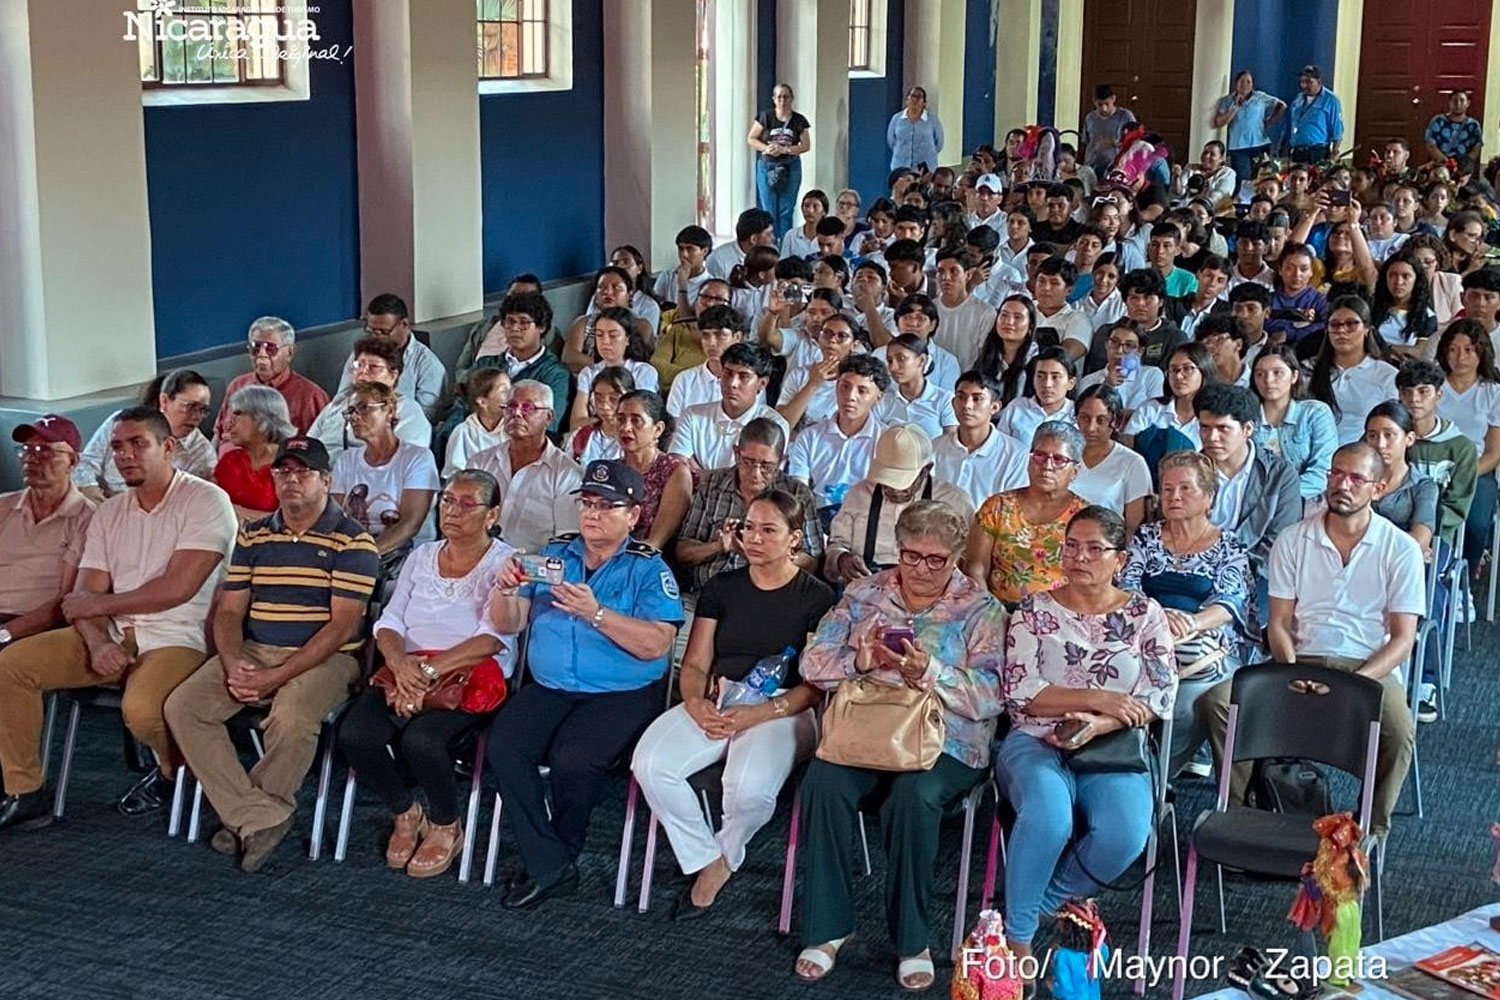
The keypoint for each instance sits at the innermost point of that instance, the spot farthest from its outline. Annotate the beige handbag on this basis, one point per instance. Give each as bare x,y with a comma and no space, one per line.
882,727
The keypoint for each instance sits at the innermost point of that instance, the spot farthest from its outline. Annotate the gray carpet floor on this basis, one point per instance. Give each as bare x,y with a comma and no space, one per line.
102,907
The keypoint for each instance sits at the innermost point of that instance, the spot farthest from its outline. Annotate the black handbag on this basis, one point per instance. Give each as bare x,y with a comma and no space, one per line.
1123,751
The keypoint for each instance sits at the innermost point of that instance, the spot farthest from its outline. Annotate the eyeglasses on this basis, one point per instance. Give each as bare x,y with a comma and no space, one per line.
371,366
362,409
1182,370
913,558
1047,458
1122,345
835,336
713,298
520,323
297,473
266,347
464,505
751,465
524,409
1345,324
1352,478
376,331
41,451
1093,550
597,506
198,410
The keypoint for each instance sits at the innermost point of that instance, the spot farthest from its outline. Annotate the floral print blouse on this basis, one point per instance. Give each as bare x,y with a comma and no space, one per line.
963,633
1128,650
1026,558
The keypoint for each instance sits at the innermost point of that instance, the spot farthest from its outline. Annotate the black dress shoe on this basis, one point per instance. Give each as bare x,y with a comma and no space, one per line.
149,795
528,893
684,909
28,811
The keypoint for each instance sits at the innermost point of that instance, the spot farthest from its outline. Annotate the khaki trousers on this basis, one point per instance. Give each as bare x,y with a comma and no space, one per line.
59,660
266,795
1392,756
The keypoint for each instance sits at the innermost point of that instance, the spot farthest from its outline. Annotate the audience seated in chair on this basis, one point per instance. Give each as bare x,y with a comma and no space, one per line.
833,455
375,360
485,393
273,344
536,477
423,377
183,398
1301,430
612,290
645,427
706,432
719,328
258,424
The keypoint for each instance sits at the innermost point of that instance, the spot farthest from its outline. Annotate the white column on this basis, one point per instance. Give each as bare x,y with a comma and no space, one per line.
735,105
812,57
1348,30
1213,40
1018,59
417,104
1491,90
933,57
1067,94
75,236
650,124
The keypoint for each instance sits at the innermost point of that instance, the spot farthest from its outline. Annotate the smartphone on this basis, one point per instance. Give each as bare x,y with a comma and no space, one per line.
893,637
1339,198
793,293
542,569
1072,732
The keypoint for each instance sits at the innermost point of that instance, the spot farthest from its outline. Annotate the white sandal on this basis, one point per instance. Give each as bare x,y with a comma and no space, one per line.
819,958
918,966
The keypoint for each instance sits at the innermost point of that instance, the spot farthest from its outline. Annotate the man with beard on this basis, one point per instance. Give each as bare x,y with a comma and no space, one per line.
1346,591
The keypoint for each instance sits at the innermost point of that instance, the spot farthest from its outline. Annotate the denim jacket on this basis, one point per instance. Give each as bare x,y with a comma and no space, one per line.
1308,436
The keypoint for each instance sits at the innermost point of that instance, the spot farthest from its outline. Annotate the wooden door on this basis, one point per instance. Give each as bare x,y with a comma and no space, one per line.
1144,49
1413,54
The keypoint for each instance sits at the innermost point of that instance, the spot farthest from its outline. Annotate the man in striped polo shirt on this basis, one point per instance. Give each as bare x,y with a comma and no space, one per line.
286,629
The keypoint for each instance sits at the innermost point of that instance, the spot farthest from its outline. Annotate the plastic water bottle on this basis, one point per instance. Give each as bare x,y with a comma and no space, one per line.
760,683
1130,363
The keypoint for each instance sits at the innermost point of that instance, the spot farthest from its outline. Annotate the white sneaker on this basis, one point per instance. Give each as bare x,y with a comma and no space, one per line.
1427,709
1467,614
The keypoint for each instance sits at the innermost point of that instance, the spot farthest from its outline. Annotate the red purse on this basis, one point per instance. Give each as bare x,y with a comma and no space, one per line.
477,689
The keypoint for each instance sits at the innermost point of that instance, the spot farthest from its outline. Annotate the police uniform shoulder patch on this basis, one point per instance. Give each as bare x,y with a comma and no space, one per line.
669,585
639,548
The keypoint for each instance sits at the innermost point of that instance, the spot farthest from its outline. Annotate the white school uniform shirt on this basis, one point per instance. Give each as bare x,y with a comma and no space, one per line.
942,368
467,440
1382,249
997,465
1121,478
643,305
798,347
995,222
708,434
723,259
536,503
932,410
1101,313
824,399
961,331
1004,281
694,386
1015,259
411,468
1358,390
830,462
1139,388
644,375
1071,323
794,244
1023,415
1266,277
665,288
1340,609
1474,411
1155,413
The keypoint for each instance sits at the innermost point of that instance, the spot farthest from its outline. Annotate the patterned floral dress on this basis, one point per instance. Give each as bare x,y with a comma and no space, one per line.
1026,558
656,479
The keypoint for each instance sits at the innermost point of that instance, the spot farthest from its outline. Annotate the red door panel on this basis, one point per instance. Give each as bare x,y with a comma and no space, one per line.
1144,49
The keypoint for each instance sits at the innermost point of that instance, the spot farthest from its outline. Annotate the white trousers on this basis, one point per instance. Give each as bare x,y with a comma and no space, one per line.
759,760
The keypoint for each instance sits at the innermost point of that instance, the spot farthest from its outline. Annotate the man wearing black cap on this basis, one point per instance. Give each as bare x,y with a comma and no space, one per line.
599,647
1316,125
151,559
286,628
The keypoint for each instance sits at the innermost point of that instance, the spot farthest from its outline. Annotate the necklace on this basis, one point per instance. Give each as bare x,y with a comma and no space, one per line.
454,587
1188,550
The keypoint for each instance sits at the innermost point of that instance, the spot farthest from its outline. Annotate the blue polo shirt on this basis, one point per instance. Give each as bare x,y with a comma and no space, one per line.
1316,121
567,653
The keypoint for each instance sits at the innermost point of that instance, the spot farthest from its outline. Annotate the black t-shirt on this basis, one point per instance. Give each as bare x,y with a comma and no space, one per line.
755,623
1061,236
775,132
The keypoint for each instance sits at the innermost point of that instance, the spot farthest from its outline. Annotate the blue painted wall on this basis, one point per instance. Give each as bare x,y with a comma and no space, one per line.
1046,73
542,169
979,79
1274,39
872,101
765,52
254,207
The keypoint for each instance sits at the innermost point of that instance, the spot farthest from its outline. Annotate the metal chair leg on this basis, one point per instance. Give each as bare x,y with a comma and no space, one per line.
864,843
471,821
622,878
643,903
492,851
48,728
174,819
195,817
1185,924
991,862
346,819
789,871
1219,877
320,806
961,900
60,798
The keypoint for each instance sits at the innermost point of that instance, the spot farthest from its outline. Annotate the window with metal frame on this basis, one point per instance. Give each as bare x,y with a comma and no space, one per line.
512,39
211,43
859,34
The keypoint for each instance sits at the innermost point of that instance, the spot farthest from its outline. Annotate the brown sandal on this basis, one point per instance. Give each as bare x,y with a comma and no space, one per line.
409,828
440,846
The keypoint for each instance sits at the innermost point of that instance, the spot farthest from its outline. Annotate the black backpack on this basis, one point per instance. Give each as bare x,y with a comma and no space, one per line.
1288,785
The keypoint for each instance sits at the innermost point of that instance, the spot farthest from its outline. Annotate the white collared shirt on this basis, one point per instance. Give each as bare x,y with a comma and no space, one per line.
1358,390
691,387
1340,609
943,367
961,332
932,410
995,221
820,405
644,376
997,465
536,502
830,462
1121,478
1266,277
1070,322
708,435
1023,415
1139,387
1230,498
1473,411
1155,413
1100,313
723,259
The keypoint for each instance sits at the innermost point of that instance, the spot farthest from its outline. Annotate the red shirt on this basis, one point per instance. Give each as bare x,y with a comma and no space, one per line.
305,399
246,486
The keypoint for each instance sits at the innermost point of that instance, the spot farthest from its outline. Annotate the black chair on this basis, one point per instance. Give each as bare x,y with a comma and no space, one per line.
107,697
1319,714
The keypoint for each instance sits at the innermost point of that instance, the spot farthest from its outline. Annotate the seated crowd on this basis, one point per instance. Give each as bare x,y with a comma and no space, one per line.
960,448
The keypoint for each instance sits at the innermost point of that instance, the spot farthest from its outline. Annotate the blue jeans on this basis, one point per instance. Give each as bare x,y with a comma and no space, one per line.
1481,519
1116,811
1242,162
782,203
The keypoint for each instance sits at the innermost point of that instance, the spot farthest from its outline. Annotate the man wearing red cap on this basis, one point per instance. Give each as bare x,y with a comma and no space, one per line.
47,518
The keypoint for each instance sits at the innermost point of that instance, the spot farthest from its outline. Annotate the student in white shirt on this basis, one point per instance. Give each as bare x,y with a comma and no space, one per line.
1109,474
1208,298
719,327
1051,379
1189,368
1380,223
1471,399
754,228
1102,303
617,344
1224,336
913,398
975,456
388,485
834,455
868,295
613,288
1348,373
678,288
807,393
1250,303
1017,242
1055,278
707,432
988,190
486,390
1250,244
1136,384
802,241
918,315
963,319
796,339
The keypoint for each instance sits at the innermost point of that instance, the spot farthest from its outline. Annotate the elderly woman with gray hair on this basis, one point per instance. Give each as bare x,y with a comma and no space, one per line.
1015,545
258,422
435,625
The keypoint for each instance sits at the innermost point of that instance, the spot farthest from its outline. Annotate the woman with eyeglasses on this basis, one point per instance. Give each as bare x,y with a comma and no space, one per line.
645,429
1189,368
807,392
259,422
388,484
376,359
600,438
435,624
183,398
780,136
1471,399
617,344
1082,662
1350,374
1017,536
744,615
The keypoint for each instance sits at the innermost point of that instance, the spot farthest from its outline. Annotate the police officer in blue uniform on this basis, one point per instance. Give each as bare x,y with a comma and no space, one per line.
598,654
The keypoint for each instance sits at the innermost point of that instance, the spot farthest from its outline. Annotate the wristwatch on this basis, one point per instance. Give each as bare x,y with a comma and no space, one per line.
598,618
429,671
5,639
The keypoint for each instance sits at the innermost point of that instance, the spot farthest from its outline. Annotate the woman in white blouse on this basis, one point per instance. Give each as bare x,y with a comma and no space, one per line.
435,624
1189,369
1109,474
802,241
183,398
1350,374
617,344
1471,399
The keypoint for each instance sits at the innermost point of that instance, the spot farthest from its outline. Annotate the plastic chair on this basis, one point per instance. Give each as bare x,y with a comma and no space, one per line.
105,697
1268,718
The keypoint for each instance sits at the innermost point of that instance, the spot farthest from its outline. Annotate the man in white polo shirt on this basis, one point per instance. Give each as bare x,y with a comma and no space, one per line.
707,432
975,456
1346,591
151,559
832,456
536,477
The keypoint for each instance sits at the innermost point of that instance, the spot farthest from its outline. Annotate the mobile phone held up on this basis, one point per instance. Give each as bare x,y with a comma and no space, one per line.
893,637
1339,198
542,569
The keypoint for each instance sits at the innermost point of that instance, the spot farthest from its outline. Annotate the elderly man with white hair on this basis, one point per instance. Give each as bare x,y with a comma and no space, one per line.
272,344
536,477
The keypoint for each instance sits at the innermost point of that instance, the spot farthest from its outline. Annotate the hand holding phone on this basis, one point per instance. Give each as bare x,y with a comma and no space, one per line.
894,637
1072,733
1339,198
541,569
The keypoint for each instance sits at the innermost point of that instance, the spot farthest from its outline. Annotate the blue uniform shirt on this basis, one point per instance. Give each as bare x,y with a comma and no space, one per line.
567,653
1316,121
